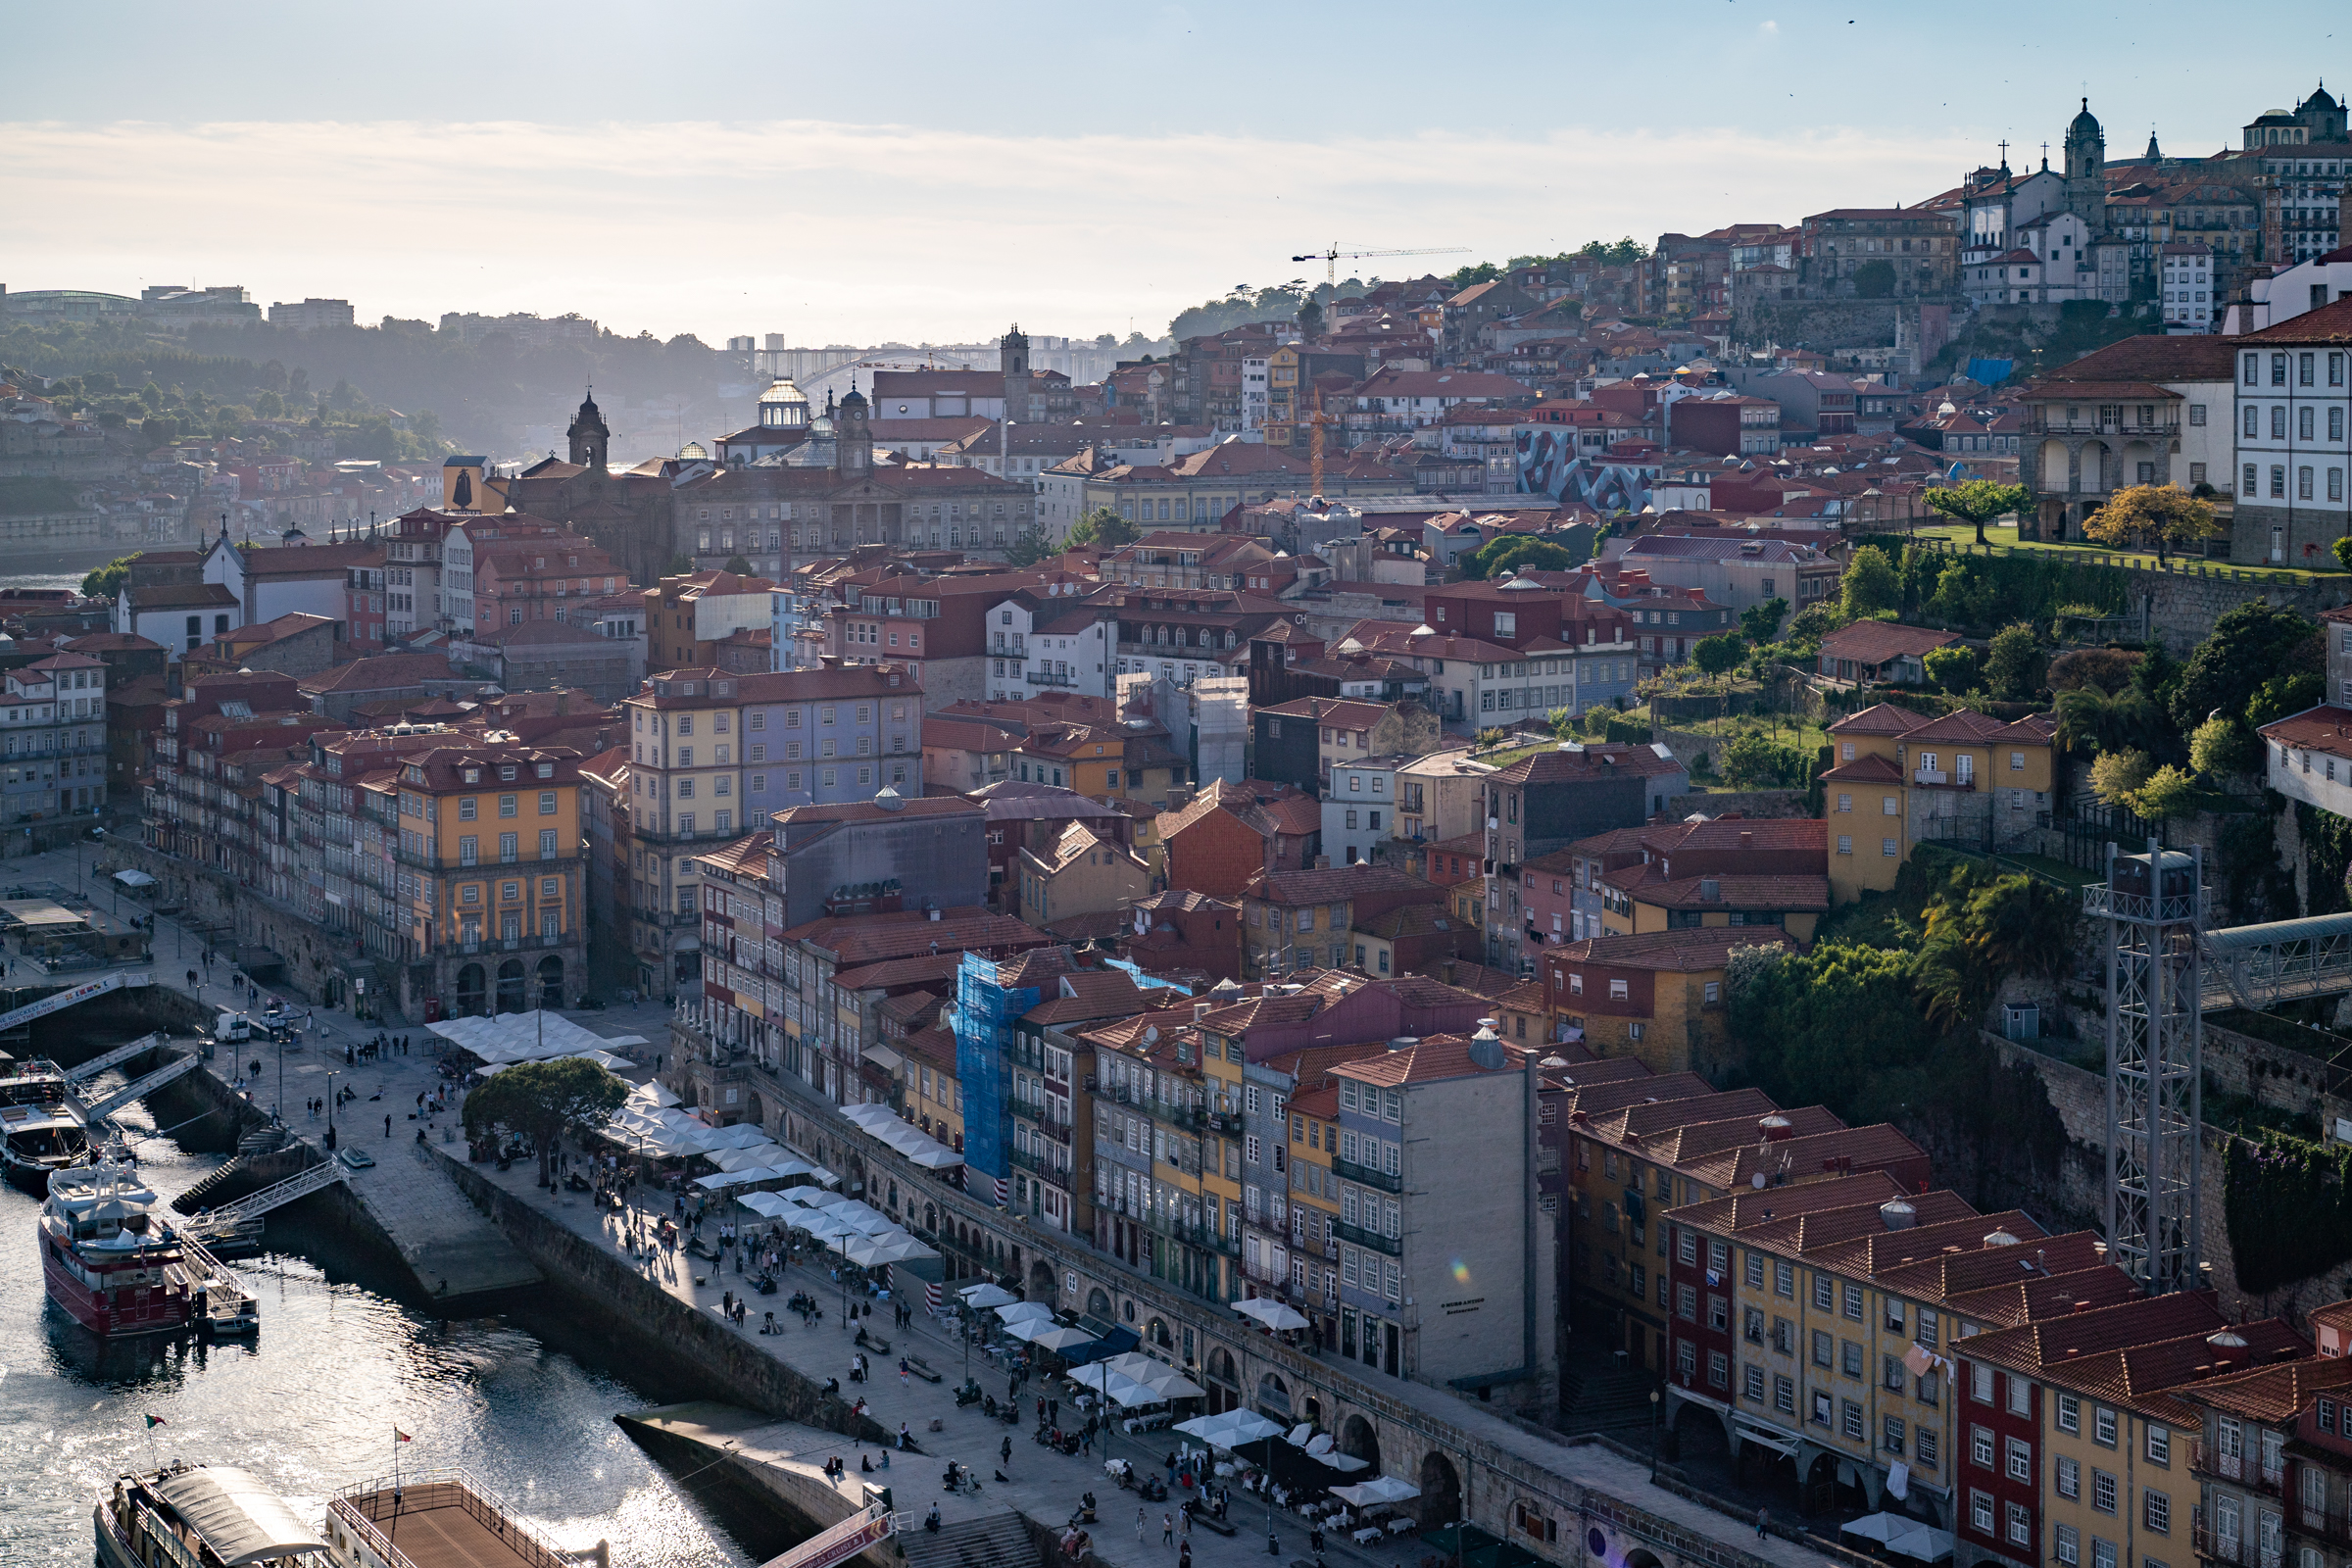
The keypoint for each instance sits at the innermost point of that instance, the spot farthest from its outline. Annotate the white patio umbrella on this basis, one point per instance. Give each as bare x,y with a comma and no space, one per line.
898,1248
1230,1430
1269,1312
1170,1383
986,1293
1023,1312
1025,1330
1062,1339
1377,1491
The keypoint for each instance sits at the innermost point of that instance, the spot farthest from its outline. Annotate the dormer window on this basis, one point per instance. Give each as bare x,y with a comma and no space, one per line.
547,770
507,772
470,776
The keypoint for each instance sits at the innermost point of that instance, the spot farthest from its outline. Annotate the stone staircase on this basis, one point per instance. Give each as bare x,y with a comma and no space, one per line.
1604,1398
998,1539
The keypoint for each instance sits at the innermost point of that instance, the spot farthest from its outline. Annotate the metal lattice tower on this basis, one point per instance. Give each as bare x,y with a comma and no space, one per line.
2154,905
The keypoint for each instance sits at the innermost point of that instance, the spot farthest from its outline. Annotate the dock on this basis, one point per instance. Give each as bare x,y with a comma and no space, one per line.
449,1245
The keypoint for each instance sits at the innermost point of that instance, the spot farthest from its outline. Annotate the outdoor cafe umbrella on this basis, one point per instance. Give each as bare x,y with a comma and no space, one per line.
1378,1491
1170,1383
1022,1311
1062,1339
1270,1313
1228,1432
986,1293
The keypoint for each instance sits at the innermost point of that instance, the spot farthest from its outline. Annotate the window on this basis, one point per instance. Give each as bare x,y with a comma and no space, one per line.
1979,1512
1892,1374
1979,1383
2020,1395
2020,1524
1890,1435
2156,1511
1783,1395
2066,1544
547,803
2070,1413
1849,1359
1979,1447
2102,1492
1824,1294
1823,1347
1926,1442
1784,1278
2070,1478
2102,1427
1751,1383
2020,1456
1849,1420
2160,1439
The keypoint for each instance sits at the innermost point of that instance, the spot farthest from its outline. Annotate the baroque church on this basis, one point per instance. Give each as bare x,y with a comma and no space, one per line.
631,513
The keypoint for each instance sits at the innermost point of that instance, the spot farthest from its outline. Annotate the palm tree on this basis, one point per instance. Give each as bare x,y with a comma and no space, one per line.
2111,722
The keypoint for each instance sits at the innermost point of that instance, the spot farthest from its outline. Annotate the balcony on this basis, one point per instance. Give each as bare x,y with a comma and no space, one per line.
1937,778
1347,1170
1372,1239
2247,1469
1228,1122
2323,1524
1048,677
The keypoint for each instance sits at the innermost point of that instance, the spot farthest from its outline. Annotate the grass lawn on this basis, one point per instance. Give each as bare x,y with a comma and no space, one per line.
2002,539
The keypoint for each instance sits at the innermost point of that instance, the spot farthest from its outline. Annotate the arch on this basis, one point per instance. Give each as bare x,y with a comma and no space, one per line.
1274,1396
930,1218
2057,466
1157,1334
510,994
1040,1281
474,987
1360,1439
550,981
894,1193
1441,1489
1643,1557
1221,1368
758,1109
2095,468
1098,1303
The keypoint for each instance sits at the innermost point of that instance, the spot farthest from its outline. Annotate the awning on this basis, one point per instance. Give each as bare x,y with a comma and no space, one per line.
135,879
241,1520
1765,1439
883,1056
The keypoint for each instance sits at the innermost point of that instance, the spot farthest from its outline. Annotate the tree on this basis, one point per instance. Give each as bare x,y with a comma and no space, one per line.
2222,745
1870,584
2091,718
2251,644
2116,776
1102,529
1761,624
2282,695
1980,932
544,1101
1476,272
1498,557
1953,669
2009,666
1029,547
1310,321
739,565
1873,280
2107,669
1720,654
2160,516
2167,792
1978,501
108,580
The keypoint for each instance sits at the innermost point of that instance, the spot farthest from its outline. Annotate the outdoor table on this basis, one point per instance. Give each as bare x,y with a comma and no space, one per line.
1366,1536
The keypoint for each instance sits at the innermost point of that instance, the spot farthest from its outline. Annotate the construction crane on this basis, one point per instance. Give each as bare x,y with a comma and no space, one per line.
1331,255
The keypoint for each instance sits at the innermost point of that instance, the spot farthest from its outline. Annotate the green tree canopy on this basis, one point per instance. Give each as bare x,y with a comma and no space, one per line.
2010,664
1870,584
1500,556
1102,529
2251,644
2223,745
2116,776
1029,547
1720,654
1953,669
107,582
1761,624
1979,501
544,1101
739,565
2157,516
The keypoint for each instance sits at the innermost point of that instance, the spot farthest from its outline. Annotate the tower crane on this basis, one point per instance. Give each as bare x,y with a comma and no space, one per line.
1330,257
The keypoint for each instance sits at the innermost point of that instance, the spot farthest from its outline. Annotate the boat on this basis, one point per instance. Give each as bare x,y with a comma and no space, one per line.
111,1256
41,1125
201,1516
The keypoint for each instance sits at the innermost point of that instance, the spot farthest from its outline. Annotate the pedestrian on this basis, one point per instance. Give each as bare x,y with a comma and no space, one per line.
903,1372
1184,1553
387,1124
1763,1521
1185,1523
1314,1540
1167,1530
1139,1524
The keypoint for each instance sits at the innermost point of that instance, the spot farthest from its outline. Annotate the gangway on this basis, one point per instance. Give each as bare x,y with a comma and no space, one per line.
865,1528
114,1057
2260,967
176,1068
17,1017
253,1205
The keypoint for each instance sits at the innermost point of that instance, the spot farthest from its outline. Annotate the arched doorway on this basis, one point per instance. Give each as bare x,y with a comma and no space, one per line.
759,1111
472,991
1041,1282
1643,1557
1440,1491
550,982
510,986
1274,1397
1098,1303
1359,1440
1220,1366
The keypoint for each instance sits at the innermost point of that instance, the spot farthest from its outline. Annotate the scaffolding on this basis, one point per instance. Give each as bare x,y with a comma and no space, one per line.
2154,907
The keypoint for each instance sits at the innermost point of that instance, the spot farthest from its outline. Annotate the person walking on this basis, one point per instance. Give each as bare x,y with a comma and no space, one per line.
1004,1451
1763,1521
1139,1524
387,1124
1184,1553
1167,1530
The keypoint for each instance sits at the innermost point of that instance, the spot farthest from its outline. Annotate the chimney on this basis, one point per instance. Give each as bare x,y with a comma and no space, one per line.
1748,839
1200,1011
1447,966
1776,1129
1322,863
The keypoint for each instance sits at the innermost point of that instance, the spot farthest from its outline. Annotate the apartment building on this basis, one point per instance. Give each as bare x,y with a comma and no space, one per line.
1464,1240
1731,871
1049,1114
1902,777
55,733
1659,996
495,903
1155,1207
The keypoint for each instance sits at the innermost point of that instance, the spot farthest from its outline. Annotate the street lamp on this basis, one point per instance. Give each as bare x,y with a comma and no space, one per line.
330,1107
1653,1436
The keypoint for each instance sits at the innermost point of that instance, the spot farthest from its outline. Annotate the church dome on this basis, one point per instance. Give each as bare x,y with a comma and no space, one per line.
693,451
783,406
2084,123
853,396
2319,100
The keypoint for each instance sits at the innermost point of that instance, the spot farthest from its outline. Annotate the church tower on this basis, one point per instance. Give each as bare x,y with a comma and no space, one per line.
2086,171
1012,353
852,442
589,436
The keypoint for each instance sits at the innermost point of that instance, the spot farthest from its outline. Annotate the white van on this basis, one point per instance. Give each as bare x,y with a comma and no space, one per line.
232,1026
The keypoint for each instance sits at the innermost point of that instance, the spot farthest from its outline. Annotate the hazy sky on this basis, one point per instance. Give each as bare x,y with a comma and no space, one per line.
924,170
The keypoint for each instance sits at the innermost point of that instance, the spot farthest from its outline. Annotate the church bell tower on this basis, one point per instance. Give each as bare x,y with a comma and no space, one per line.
2086,171
1012,353
852,441
590,438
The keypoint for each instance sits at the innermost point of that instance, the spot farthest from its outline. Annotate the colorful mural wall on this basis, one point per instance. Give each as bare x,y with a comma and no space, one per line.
1548,466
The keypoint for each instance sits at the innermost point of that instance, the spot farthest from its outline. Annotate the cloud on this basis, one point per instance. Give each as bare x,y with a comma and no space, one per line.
1769,30
856,232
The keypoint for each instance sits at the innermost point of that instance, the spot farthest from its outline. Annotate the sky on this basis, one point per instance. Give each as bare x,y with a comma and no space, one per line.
932,172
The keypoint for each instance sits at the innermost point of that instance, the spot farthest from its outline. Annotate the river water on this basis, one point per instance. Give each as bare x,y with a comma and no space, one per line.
311,1406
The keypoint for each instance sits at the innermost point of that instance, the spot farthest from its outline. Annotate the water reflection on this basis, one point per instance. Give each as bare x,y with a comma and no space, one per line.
313,1405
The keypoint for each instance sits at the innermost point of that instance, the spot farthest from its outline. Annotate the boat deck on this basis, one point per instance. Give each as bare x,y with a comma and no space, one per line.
444,1525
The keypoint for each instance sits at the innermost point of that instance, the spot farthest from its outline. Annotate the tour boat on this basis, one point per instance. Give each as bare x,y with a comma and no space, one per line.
196,1516
41,1126
111,1257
